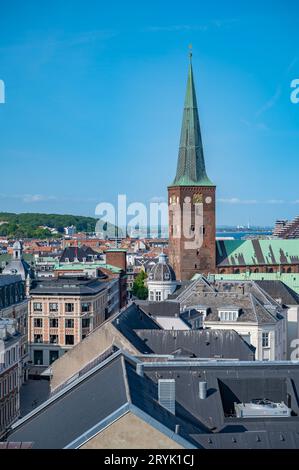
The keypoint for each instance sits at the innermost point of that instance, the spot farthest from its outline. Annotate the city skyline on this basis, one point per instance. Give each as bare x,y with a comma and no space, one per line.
84,113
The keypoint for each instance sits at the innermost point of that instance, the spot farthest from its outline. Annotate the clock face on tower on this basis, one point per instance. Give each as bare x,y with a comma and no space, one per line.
197,198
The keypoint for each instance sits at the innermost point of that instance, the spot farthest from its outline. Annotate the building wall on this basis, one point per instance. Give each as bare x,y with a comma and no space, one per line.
130,432
277,337
160,291
48,349
202,258
293,330
255,269
10,382
117,258
80,355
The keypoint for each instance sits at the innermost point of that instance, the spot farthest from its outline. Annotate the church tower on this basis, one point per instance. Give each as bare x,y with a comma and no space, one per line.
191,199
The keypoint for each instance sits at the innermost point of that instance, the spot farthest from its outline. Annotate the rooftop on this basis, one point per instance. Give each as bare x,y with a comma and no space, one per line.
88,406
257,252
67,286
253,303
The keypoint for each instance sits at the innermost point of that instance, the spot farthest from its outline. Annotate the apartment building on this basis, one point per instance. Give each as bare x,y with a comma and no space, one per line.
63,311
10,371
14,305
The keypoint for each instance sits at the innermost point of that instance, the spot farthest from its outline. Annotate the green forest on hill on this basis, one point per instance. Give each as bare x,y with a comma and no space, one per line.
28,225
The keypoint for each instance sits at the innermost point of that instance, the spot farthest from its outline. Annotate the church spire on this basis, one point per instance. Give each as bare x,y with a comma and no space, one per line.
191,169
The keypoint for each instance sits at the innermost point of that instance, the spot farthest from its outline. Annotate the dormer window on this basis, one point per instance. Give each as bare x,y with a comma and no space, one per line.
228,314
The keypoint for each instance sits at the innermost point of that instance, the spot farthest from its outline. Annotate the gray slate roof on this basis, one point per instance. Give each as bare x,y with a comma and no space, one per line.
67,286
77,410
149,338
280,292
198,343
115,387
255,304
161,272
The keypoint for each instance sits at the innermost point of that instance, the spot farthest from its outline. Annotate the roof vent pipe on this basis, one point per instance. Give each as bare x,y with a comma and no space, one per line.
202,390
177,429
139,369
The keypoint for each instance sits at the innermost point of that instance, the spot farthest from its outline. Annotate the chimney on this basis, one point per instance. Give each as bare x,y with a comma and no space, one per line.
202,390
166,394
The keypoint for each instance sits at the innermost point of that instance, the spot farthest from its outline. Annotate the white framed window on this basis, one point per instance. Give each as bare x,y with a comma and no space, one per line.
228,315
151,295
158,296
265,340
37,307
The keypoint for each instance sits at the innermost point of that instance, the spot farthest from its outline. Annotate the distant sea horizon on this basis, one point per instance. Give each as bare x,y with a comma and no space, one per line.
240,235
220,233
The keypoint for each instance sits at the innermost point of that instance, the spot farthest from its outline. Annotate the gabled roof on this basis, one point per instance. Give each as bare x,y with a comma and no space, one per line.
72,253
92,402
254,304
278,290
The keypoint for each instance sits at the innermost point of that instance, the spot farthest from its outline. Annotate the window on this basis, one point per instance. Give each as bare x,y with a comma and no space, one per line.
151,295
228,315
53,307
53,322
37,307
69,307
85,322
53,355
69,323
85,307
38,322
69,339
38,357
54,339
265,340
158,296
38,338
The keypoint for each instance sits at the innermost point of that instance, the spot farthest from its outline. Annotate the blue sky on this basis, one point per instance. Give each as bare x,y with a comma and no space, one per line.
94,99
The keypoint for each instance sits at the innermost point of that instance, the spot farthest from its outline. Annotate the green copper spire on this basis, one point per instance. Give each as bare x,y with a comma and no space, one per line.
191,170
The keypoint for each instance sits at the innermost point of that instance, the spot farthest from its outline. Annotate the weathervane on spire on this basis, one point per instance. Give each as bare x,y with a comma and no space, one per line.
190,51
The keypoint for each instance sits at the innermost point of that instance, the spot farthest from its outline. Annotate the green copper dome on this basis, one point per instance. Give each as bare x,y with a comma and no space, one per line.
191,170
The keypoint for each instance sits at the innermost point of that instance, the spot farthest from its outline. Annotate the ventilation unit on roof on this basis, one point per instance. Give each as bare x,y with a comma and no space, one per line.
262,408
166,394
